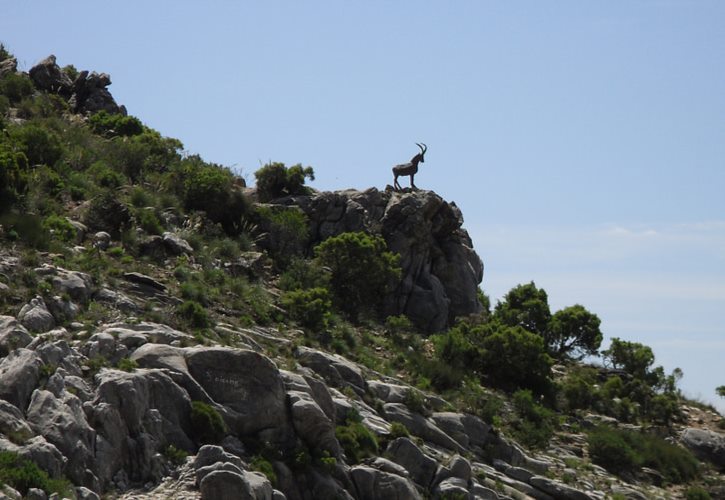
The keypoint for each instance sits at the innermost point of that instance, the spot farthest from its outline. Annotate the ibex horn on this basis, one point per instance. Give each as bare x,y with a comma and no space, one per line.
423,148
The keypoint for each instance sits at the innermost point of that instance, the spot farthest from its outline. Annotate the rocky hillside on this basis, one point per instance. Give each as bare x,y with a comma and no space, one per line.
168,332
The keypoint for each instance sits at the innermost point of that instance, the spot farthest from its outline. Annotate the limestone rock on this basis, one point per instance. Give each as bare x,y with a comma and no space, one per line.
247,383
452,487
90,94
176,245
441,271
311,424
12,423
558,489
374,484
19,375
48,76
335,369
225,485
62,422
12,335
9,65
36,317
419,426
420,466
706,445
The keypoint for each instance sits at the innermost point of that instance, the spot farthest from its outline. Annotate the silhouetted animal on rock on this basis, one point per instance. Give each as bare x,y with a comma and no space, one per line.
410,168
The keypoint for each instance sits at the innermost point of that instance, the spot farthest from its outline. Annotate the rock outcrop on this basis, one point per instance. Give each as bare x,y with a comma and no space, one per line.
86,94
441,271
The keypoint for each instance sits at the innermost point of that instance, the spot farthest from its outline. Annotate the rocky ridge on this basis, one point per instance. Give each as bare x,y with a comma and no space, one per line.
110,403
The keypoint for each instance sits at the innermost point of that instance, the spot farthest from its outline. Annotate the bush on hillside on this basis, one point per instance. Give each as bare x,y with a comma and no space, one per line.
207,424
574,332
310,308
40,145
525,306
621,450
23,474
363,271
287,233
274,180
113,125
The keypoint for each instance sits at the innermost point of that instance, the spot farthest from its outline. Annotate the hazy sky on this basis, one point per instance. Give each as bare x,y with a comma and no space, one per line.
583,141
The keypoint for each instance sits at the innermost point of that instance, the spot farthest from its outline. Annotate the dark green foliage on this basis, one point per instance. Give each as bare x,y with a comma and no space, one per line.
536,423
720,391
13,175
175,455
210,188
525,306
261,464
398,430
207,424
697,493
149,221
302,274
22,474
194,314
310,308
632,357
106,177
579,390
60,228
107,213
620,450
363,271
113,125
287,233
16,87
512,358
573,332
274,180
40,145
127,364
356,440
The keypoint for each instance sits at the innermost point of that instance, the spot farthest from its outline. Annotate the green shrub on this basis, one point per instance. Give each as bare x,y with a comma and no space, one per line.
274,180
112,125
363,271
40,145
620,450
398,430
126,364
22,474
194,313
513,358
16,87
303,274
261,464
149,221
287,233
60,228
525,306
356,440
310,308
107,213
175,455
697,493
207,424
536,423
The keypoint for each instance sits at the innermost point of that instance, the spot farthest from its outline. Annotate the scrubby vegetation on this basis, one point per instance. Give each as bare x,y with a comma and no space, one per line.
517,367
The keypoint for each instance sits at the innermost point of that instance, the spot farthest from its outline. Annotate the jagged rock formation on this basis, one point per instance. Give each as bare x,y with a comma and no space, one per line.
86,94
441,271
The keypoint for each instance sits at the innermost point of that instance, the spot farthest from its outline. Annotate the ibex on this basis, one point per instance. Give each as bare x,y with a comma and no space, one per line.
410,168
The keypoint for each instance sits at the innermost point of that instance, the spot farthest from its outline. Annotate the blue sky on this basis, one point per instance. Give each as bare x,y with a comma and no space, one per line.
583,141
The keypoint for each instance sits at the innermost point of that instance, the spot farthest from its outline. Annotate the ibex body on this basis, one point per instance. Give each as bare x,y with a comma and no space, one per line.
410,168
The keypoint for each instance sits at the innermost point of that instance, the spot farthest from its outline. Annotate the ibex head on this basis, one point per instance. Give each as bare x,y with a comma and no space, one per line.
423,149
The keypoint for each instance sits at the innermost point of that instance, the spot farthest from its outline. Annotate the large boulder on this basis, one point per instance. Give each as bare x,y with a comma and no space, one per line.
135,414
420,426
36,317
247,384
706,445
48,76
12,335
90,94
375,484
420,466
311,424
63,423
440,270
335,369
19,375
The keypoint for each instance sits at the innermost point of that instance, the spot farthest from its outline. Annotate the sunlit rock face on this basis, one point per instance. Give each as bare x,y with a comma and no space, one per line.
441,271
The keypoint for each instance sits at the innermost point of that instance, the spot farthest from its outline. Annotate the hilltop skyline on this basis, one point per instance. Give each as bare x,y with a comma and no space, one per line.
582,144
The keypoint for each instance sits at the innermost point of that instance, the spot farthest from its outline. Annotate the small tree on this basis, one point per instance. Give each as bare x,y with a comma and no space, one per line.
721,391
362,269
632,357
274,180
525,306
573,331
